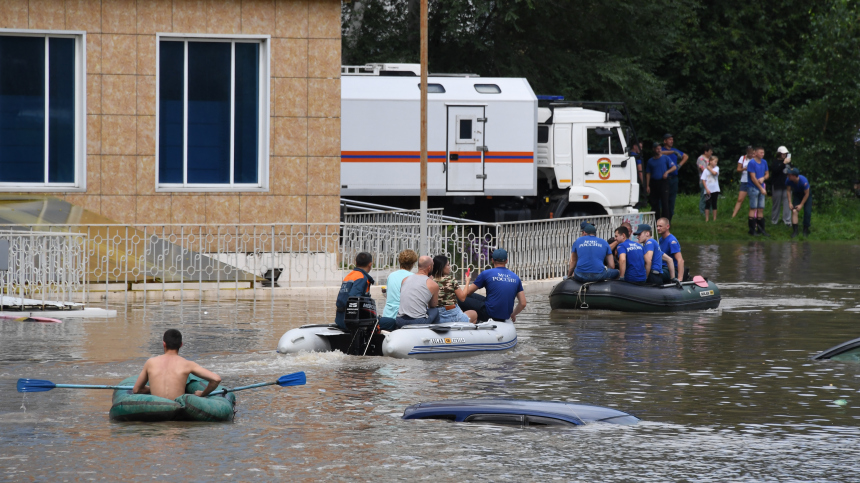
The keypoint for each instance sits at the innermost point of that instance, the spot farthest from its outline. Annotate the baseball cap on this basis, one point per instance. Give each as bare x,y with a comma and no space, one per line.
794,171
782,149
588,228
641,228
667,136
655,145
500,254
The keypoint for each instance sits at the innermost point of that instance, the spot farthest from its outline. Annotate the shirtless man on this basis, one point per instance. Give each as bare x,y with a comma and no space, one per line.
168,373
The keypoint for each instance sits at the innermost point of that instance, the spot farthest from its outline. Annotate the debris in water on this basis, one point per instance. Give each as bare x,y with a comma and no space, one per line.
840,402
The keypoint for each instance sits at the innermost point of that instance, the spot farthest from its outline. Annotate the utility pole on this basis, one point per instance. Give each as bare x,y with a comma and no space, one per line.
423,206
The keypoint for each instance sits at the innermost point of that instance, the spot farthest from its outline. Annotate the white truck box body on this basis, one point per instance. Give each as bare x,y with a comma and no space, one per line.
380,137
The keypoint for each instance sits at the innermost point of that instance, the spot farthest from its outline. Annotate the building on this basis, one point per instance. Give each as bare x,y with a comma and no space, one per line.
182,111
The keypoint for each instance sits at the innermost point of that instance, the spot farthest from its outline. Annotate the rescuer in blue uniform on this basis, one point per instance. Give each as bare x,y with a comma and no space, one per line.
800,199
588,255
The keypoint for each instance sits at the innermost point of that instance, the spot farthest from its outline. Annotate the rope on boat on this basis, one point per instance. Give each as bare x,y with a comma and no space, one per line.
580,295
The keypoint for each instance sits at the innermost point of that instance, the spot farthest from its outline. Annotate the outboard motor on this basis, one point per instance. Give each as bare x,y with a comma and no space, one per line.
360,319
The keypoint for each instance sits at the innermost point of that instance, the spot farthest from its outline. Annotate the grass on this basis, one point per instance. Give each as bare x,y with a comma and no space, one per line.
839,221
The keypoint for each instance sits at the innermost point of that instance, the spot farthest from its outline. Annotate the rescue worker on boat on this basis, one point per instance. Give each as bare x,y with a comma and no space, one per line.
357,283
588,255
655,260
631,257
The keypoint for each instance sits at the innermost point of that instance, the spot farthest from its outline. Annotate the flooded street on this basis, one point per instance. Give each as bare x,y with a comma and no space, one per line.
729,394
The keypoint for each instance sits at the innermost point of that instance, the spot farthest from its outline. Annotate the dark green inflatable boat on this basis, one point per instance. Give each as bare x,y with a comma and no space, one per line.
188,407
701,294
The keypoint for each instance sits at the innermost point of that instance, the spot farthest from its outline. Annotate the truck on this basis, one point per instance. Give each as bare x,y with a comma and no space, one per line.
496,151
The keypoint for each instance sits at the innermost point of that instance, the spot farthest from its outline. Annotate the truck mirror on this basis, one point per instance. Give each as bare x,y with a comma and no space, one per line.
603,132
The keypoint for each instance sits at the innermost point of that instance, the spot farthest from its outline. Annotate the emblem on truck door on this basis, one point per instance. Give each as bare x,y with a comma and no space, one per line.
603,166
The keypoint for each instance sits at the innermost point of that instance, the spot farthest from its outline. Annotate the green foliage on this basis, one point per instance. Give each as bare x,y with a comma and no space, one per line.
728,73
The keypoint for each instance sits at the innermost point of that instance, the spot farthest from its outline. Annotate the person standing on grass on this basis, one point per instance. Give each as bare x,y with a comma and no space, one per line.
801,199
670,246
758,174
673,154
743,161
656,183
710,178
701,164
779,167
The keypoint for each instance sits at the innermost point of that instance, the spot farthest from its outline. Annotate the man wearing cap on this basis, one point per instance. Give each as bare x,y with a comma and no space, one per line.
503,286
779,169
801,199
631,257
656,173
673,154
670,246
758,174
655,259
588,255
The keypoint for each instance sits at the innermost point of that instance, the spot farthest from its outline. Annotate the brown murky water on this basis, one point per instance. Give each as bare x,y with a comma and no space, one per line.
724,395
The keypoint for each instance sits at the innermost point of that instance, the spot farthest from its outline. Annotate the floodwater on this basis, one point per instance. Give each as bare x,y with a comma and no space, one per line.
729,394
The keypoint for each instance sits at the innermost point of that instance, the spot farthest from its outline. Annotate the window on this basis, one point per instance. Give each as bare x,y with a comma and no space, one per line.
597,144
543,134
537,421
42,111
615,141
434,88
465,129
488,88
212,114
501,419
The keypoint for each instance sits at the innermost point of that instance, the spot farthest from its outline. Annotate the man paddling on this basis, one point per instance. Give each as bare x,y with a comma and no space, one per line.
168,373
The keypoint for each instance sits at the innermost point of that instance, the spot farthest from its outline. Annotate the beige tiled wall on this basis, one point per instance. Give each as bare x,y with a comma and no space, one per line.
304,168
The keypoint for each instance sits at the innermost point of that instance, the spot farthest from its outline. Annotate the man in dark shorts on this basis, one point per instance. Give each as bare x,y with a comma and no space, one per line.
756,191
656,173
503,286
800,199
678,160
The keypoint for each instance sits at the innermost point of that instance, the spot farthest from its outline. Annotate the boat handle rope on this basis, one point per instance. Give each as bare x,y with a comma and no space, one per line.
580,295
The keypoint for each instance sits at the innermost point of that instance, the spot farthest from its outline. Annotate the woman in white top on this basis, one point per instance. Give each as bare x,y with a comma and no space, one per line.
711,180
743,161
407,259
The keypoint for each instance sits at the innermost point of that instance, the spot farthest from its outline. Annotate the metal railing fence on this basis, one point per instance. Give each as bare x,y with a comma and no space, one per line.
152,257
41,268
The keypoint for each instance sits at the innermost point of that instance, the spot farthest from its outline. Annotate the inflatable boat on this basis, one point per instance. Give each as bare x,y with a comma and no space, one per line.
700,294
187,407
437,341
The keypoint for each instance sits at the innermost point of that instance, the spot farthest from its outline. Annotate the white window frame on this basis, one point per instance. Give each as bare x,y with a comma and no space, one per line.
80,183
262,184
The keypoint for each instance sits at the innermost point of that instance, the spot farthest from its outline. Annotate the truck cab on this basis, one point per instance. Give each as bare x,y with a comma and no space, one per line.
582,157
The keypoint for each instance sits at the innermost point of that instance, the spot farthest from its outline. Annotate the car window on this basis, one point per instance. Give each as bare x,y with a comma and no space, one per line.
597,144
542,421
446,417
851,355
501,419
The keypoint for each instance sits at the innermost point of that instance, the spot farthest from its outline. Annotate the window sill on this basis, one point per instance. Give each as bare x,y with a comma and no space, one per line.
6,188
212,189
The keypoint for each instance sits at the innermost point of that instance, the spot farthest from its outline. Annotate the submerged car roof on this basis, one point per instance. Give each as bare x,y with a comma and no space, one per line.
837,349
462,408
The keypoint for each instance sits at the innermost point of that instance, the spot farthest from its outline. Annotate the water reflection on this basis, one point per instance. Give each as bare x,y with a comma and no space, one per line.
725,394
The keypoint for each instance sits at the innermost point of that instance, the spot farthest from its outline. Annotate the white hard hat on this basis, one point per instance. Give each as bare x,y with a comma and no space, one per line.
782,149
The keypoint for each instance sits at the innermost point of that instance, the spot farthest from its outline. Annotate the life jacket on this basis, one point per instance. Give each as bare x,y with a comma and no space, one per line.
346,287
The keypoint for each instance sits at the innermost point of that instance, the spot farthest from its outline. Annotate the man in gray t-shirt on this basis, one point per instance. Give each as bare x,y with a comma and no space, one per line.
419,295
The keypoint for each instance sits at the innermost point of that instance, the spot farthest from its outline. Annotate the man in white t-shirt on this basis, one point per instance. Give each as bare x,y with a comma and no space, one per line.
701,164
743,161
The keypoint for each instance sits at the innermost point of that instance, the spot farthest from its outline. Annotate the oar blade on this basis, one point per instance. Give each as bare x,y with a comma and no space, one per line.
35,385
294,379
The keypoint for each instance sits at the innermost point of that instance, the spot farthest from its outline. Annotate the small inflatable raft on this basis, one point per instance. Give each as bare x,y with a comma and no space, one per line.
700,294
187,407
438,341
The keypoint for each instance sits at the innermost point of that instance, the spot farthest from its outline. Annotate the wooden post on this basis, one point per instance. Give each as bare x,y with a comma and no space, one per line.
423,250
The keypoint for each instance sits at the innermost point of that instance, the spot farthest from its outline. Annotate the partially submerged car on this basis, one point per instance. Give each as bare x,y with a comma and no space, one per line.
846,351
517,412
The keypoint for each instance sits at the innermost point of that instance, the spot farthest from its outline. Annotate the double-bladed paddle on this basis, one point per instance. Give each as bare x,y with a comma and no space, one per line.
38,385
